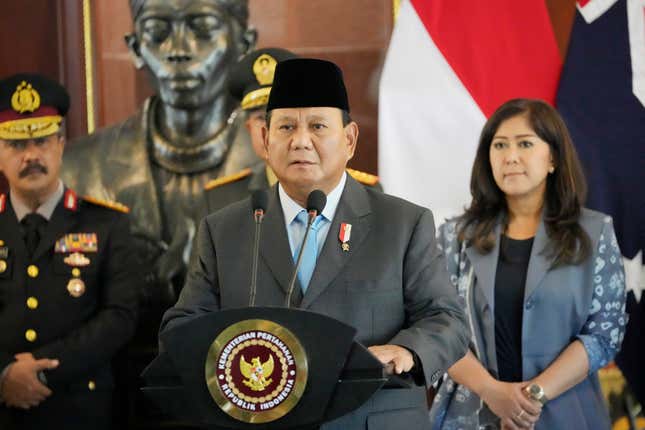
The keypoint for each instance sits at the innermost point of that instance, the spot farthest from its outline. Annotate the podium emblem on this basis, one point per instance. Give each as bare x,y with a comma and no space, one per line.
256,371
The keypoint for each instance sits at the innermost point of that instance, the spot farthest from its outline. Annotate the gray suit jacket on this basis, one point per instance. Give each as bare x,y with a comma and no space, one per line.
584,302
392,286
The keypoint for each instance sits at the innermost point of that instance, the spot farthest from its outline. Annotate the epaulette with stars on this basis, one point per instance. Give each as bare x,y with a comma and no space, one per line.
227,179
362,177
120,207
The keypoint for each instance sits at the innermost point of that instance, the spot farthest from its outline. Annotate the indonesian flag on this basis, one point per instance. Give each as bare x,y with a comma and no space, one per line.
450,64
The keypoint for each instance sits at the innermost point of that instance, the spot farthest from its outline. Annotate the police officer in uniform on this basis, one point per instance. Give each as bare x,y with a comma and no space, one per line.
68,287
251,81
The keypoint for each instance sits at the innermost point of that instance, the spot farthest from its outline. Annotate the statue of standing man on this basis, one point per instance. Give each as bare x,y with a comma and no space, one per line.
157,161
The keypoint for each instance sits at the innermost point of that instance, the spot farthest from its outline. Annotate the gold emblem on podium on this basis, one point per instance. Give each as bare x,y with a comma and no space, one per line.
256,371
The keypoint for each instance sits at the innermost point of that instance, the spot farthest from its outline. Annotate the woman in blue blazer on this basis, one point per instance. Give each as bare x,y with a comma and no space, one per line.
541,278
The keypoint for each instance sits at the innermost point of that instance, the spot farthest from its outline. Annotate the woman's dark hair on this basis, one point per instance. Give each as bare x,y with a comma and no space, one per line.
565,188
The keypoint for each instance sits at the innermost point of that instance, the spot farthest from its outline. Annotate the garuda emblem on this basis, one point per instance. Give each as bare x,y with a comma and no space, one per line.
257,373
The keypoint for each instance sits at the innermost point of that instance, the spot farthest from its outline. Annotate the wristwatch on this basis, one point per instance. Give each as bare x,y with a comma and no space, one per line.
536,392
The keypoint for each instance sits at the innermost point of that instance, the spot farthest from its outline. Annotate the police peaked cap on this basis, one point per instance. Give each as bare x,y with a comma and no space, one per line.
31,106
252,77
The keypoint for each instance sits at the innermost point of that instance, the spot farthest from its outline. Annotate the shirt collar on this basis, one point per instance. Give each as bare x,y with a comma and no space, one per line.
291,208
46,209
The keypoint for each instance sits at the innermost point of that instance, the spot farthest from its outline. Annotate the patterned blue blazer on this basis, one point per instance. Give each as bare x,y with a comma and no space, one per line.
583,302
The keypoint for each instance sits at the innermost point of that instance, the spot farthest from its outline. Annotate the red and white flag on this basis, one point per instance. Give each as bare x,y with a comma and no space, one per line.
449,65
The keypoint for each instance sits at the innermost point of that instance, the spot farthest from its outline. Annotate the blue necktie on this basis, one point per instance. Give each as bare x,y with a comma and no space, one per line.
310,251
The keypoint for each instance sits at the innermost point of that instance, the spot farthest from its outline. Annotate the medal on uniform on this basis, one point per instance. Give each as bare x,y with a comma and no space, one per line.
77,242
76,259
344,235
76,287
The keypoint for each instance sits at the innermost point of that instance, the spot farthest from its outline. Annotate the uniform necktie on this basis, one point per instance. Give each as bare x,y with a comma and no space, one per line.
34,225
310,251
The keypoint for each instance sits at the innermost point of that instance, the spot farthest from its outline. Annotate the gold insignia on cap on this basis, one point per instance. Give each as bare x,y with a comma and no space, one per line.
264,69
257,98
25,99
76,287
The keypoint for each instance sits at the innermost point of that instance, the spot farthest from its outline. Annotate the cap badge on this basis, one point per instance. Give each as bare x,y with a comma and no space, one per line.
264,69
25,99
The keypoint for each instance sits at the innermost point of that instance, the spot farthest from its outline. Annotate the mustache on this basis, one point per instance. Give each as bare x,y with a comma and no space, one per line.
32,168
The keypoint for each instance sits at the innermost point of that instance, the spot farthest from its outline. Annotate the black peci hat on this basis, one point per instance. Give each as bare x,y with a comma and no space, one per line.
252,77
31,106
308,82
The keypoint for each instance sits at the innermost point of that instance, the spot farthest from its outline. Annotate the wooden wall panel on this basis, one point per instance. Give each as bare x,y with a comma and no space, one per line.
22,49
116,77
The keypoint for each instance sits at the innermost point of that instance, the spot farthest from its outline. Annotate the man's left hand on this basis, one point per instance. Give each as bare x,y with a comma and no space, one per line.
396,358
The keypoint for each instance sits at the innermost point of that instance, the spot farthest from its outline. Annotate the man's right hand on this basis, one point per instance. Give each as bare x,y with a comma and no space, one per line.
21,387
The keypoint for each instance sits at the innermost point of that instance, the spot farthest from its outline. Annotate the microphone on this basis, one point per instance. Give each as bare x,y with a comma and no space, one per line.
316,202
259,201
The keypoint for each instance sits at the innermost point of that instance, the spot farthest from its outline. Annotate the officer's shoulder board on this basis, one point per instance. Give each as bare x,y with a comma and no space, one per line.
120,207
362,177
218,182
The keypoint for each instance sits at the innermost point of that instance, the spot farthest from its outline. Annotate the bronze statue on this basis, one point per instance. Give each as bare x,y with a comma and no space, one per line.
157,161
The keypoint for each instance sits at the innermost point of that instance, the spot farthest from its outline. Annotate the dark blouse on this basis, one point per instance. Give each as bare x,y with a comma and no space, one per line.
510,280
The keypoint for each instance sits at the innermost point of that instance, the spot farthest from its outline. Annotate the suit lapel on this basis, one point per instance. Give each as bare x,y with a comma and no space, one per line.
538,263
485,267
354,209
274,246
61,222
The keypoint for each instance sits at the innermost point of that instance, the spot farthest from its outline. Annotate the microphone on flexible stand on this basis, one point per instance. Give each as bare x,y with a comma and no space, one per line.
259,201
316,202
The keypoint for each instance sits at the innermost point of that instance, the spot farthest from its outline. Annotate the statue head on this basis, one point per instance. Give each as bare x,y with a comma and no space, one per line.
189,46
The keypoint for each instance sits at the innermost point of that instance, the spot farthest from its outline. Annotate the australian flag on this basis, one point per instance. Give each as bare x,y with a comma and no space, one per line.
602,99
